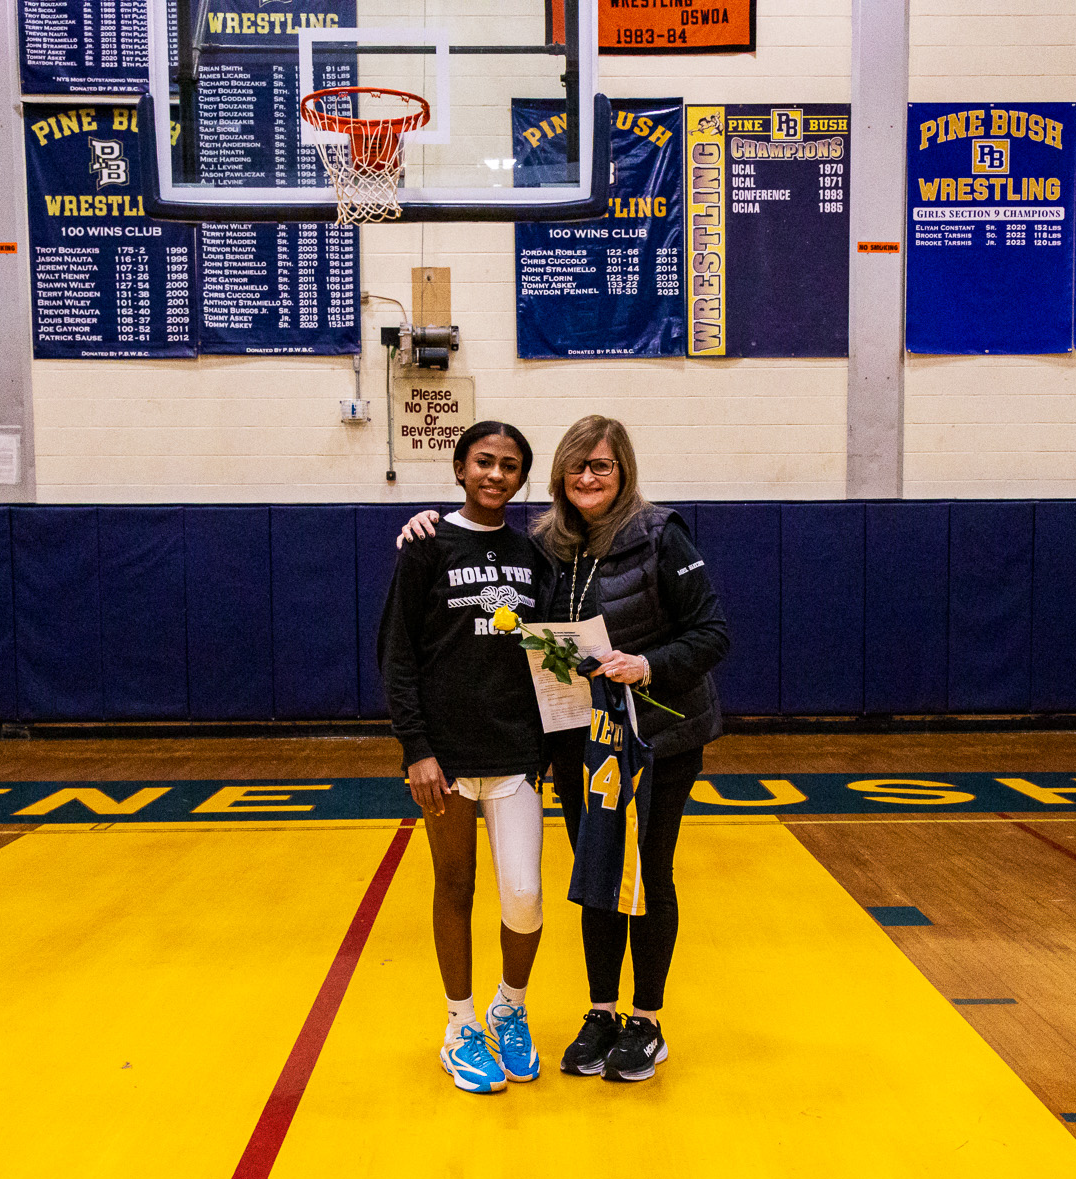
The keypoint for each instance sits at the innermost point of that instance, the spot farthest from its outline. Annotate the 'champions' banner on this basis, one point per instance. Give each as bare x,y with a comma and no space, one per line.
767,229
609,287
990,238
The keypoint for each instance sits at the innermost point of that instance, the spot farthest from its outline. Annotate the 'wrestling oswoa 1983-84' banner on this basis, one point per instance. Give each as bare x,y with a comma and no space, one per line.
766,226
666,26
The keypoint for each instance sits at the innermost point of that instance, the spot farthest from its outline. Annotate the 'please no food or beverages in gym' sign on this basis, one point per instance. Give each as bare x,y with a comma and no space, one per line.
429,413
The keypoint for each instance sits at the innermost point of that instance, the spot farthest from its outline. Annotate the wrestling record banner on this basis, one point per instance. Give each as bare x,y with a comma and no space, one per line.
990,235
107,281
666,26
270,289
84,46
767,230
609,287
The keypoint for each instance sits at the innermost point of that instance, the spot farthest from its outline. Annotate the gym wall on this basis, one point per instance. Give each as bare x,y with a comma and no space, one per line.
244,429
991,426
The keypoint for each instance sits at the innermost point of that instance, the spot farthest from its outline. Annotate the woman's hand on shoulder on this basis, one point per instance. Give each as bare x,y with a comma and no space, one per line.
419,526
428,785
622,667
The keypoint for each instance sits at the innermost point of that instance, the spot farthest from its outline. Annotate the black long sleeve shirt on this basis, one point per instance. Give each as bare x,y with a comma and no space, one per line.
458,690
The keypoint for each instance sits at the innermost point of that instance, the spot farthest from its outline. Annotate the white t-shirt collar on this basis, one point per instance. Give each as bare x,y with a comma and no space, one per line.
462,522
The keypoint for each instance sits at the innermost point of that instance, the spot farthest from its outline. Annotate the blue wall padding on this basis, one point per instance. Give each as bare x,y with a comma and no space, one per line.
376,527
1053,640
990,556
252,612
57,613
315,647
143,613
822,607
516,516
533,512
741,544
8,700
229,620
688,512
906,652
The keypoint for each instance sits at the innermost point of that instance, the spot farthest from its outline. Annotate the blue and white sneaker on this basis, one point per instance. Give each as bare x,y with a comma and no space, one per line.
512,1045
469,1062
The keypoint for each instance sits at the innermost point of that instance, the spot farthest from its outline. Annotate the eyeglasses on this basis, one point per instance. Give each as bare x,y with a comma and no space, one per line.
602,467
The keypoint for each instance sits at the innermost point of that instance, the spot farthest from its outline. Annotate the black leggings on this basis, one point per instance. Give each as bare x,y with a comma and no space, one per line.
605,934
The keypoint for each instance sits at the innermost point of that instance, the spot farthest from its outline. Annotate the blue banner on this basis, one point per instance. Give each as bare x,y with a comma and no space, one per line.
107,281
990,237
243,24
269,289
84,46
610,287
768,228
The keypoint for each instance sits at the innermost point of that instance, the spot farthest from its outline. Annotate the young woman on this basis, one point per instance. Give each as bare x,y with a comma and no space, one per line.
615,554
464,710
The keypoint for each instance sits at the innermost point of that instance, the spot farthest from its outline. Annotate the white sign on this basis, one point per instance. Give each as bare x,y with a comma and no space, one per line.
429,413
9,458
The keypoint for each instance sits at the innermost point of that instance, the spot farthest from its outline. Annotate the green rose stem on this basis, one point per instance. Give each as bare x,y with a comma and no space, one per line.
560,660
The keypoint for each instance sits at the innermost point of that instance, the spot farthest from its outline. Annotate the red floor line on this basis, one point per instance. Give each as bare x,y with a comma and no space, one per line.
265,1142
1065,851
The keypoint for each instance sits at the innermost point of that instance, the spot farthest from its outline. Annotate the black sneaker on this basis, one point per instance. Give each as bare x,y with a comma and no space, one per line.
585,1055
639,1047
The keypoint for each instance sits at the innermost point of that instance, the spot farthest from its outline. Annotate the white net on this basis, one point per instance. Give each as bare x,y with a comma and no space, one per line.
365,171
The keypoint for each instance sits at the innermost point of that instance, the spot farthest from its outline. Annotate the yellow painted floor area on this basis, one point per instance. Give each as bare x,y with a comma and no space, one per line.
802,1041
152,985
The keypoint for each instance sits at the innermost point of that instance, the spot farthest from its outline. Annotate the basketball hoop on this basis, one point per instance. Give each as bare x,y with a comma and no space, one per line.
366,170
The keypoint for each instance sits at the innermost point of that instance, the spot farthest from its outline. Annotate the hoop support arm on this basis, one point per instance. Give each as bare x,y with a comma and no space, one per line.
585,209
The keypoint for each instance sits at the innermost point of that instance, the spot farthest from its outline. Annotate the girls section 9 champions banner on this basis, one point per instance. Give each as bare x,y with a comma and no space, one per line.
990,237
608,287
767,226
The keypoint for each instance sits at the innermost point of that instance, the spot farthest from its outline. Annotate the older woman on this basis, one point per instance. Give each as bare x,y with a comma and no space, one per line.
615,554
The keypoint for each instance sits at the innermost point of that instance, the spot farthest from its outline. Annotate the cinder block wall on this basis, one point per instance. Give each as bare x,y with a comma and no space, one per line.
991,426
237,429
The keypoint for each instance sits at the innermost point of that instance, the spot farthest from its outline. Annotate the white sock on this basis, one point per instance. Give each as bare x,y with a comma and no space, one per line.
460,1013
513,996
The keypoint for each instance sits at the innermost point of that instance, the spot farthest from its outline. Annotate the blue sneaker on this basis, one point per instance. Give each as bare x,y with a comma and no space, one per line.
512,1041
468,1061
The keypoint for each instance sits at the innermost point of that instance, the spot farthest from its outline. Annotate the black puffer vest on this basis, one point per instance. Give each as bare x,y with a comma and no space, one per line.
637,621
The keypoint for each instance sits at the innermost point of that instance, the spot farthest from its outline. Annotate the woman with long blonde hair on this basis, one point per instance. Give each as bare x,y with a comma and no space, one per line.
615,554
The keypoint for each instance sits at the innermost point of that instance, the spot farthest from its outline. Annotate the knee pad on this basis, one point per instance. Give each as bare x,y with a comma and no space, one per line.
521,909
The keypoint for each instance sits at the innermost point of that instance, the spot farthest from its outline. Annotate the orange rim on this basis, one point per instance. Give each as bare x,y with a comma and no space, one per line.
362,129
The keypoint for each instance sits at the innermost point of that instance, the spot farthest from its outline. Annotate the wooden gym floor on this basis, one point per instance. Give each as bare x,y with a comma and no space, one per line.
207,994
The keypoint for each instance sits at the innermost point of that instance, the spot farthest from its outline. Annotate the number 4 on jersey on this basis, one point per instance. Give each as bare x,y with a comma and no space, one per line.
606,782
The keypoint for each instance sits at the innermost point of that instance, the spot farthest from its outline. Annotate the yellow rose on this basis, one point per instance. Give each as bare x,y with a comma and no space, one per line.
505,619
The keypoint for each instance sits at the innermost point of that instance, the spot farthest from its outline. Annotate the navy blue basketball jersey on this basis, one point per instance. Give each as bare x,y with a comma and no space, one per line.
617,768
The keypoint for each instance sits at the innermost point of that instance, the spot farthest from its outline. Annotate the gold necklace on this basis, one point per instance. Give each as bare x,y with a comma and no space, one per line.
574,608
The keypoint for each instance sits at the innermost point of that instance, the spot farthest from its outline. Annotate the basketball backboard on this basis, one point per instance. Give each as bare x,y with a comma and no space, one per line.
223,139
